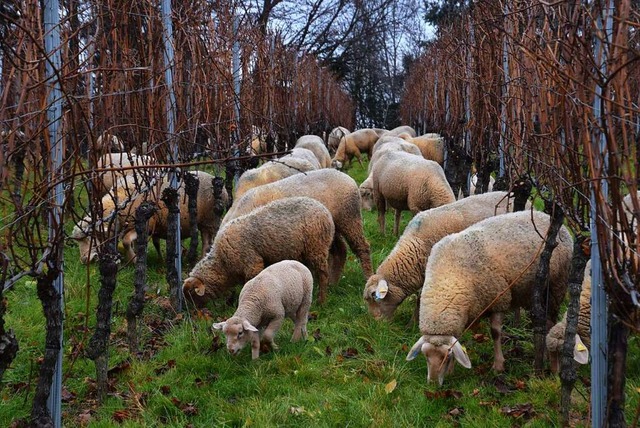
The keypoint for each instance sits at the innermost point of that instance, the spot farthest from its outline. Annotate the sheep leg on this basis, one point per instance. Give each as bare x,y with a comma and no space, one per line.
156,245
270,333
381,205
300,325
337,259
255,344
321,266
496,334
396,225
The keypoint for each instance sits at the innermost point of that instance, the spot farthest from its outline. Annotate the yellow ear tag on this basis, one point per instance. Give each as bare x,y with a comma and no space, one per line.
580,347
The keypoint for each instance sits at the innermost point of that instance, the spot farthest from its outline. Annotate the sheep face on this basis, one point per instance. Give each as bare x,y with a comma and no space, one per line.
440,352
238,332
87,246
381,302
366,198
336,164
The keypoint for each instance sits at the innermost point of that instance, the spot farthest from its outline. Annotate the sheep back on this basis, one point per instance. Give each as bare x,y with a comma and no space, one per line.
271,171
296,228
466,271
404,268
334,189
316,145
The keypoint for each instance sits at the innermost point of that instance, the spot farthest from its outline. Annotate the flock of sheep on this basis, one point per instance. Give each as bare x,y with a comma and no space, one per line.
293,217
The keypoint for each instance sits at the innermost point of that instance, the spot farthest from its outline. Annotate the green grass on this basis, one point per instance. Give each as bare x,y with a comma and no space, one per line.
184,379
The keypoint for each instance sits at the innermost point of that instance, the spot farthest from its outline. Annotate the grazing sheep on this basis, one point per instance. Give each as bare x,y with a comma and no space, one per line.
404,129
306,154
109,143
128,191
121,165
472,187
271,171
432,148
402,272
336,134
485,270
555,337
334,189
284,289
408,182
316,145
389,144
297,228
360,141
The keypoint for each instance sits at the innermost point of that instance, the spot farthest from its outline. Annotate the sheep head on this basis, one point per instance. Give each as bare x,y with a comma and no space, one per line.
440,352
88,246
381,301
194,290
366,196
238,332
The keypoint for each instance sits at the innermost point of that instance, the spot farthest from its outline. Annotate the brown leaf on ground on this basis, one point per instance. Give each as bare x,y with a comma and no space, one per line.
328,351
480,338
446,393
521,385
204,314
189,409
122,415
456,411
317,336
391,386
313,316
502,386
350,353
84,418
475,392
168,365
519,410
67,396
165,389
120,368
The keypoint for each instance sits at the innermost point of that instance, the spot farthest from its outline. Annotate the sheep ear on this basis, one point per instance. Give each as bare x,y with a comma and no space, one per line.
247,326
381,290
416,348
580,352
219,325
460,353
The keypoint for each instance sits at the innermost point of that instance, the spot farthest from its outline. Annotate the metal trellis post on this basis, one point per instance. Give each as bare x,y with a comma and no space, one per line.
171,120
54,116
236,92
598,296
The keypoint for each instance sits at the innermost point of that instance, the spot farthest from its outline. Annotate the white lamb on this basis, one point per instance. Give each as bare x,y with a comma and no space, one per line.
284,289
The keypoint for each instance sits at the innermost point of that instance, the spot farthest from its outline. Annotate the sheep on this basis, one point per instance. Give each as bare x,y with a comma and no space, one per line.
336,190
402,129
208,217
316,145
472,187
389,144
296,228
555,336
336,134
485,270
402,272
271,171
432,148
408,182
110,143
121,165
284,289
306,154
354,144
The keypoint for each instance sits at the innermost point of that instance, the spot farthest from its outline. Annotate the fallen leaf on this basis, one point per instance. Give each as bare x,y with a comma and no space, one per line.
297,411
405,348
475,392
121,415
521,385
456,411
120,368
204,314
390,386
350,353
165,389
502,386
519,410
447,393
328,351
316,335
313,316
189,409
480,338
67,396
85,417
